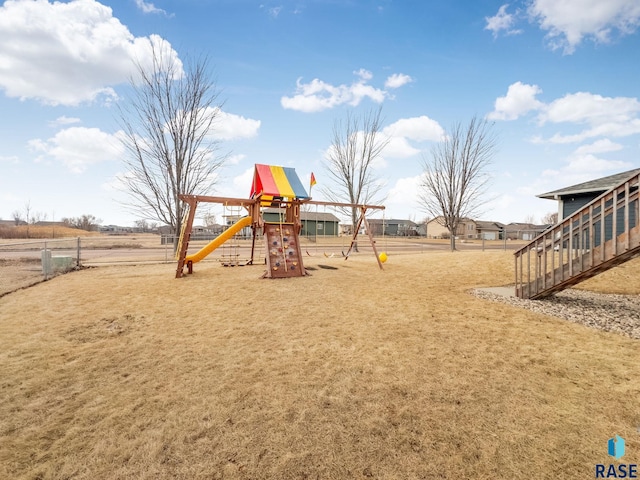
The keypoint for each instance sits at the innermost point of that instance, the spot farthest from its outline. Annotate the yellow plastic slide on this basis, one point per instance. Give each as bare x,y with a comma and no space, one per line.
219,240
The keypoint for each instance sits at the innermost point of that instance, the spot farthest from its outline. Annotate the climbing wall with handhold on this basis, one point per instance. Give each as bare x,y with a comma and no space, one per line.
283,251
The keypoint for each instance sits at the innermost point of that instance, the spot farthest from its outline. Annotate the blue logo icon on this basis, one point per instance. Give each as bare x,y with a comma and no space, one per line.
616,447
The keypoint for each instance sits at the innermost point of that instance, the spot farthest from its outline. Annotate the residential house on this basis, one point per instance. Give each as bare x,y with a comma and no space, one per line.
488,230
393,227
467,229
436,229
313,223
524,231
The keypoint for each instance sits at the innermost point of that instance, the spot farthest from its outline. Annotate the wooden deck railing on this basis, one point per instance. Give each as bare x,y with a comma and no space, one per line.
602,234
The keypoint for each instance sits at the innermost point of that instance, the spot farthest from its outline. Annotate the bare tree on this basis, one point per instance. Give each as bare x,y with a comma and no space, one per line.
550,218
168,123
357,143
27,214
142,225
86,222
209,219
530,219
37,217
17,217
454,180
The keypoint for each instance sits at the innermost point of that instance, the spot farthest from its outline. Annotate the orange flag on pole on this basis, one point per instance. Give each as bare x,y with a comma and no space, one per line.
313,180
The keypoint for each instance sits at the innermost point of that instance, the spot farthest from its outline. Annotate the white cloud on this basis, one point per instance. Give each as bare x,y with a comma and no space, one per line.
79,147
148,7
584,107
228,126
397,80
399,147
318,95
591,165
568,22
274,12
14,160
364,74
416,128
243,181
235,159
68,53
610,129
584,164
606,116
579,167
600,146
502,22
64,120
403,196
576,168
519,100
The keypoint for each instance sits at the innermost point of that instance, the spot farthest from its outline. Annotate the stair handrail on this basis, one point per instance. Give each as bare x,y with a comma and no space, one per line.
582,211
565,231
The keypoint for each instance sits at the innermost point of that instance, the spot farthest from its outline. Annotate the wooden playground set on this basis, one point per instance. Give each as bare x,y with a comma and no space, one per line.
272,187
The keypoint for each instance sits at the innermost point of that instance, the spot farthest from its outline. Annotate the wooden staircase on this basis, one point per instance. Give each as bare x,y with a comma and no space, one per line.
599,236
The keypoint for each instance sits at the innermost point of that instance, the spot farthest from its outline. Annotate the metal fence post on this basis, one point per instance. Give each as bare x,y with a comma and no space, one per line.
46,261
78,253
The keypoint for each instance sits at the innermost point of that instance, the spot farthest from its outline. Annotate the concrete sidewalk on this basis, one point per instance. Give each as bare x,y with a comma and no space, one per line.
508,291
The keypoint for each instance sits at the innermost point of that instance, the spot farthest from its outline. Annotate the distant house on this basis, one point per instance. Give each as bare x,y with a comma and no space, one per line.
467,229
114,229
313,223
489,230
524,231
11,223
393,227
436,229
319,223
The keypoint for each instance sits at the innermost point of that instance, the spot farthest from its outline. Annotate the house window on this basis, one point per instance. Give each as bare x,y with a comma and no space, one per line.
470,227
319,226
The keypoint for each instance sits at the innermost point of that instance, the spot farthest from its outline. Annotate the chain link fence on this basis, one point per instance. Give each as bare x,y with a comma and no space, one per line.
27,262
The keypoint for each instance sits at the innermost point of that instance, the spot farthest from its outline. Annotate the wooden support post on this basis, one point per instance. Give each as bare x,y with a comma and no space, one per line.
627,224
354,238
371,239
363,220
186,236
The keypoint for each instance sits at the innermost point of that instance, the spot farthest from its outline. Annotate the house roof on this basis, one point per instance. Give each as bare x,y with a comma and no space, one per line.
515,226
439,220
391,221
487,225
599,185
319,217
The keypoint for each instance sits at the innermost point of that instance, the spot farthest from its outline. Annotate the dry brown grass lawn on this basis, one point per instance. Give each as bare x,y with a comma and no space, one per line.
127,373
39,231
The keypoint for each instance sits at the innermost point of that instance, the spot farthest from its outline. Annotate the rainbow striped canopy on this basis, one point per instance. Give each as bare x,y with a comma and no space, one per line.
273,182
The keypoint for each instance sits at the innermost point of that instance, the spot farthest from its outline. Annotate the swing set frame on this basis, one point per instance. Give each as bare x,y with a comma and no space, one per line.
254,210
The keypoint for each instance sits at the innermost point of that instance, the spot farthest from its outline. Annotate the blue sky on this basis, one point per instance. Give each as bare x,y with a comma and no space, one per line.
559,79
